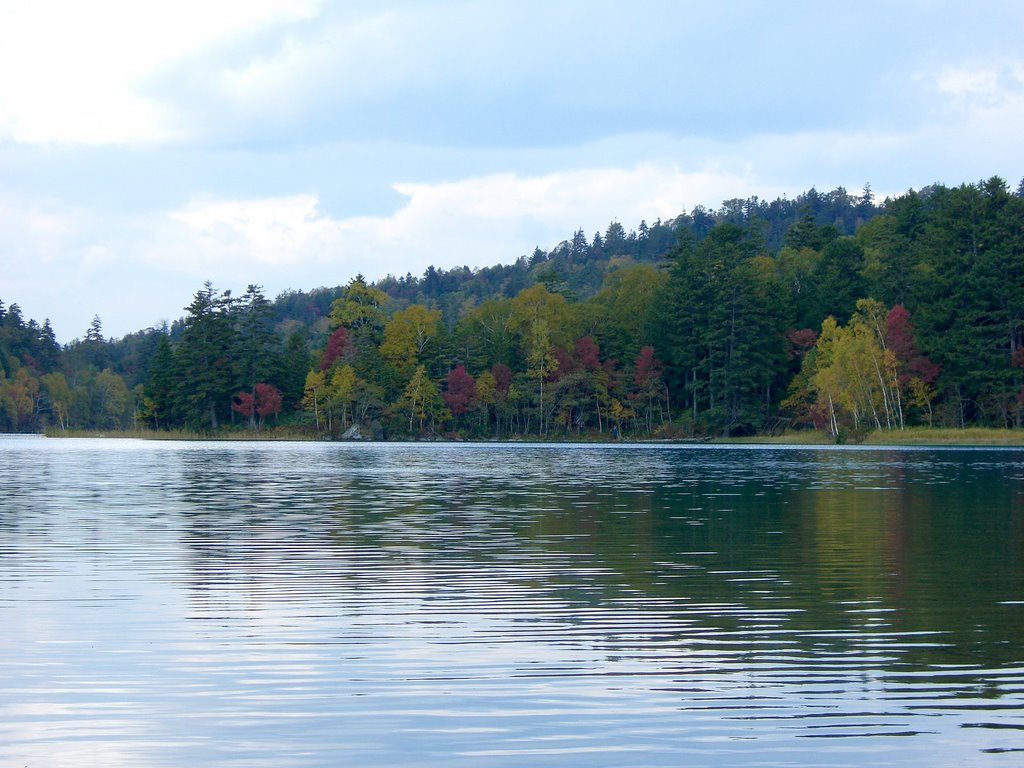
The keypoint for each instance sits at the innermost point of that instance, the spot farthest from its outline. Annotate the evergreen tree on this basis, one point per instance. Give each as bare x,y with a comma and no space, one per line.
971,306
720,330
203,360
159,394
836,279
255,354
294,366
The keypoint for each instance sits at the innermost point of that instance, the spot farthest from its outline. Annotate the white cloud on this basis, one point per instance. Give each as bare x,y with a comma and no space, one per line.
255,71
990,85
272,232
33,233
590,125
492,209
135,271
76,72
476,221
356,58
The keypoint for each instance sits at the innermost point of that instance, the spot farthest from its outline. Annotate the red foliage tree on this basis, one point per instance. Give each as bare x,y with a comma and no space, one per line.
588,356
585,356
647,378
899,337
800,341
268,400
243,403
502,378
899,333
645,371
337,346
564,363
461,391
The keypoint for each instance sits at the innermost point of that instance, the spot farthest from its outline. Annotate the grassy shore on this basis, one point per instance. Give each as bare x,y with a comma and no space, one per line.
945,436
972,436
911,436
797,437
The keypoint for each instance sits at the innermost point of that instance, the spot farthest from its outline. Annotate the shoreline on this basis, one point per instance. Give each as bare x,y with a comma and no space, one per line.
914,436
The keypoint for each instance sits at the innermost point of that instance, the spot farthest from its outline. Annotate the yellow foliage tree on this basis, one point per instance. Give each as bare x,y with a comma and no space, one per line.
360,305
342,391
313,394
486,395
408,333
538,304
854,375
422,399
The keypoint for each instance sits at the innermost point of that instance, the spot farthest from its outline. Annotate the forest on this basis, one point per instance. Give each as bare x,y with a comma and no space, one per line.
829,311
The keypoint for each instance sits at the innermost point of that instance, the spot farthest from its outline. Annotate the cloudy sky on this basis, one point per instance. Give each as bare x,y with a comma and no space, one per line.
148,147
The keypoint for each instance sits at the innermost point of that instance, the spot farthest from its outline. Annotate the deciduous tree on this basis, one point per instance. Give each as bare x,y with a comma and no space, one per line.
408,333
313,394
460,392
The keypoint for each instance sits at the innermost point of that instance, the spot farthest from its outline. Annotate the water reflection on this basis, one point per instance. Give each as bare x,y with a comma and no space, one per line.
283,604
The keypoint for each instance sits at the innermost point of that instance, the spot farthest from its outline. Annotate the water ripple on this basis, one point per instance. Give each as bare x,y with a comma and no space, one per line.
287,604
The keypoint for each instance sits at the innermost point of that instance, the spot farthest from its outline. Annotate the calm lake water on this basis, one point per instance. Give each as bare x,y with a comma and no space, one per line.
300,604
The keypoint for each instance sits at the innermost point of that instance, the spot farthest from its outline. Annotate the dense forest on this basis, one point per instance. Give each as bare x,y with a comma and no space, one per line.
828,311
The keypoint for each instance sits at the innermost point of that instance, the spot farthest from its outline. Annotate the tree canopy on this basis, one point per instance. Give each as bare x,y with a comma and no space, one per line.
829,310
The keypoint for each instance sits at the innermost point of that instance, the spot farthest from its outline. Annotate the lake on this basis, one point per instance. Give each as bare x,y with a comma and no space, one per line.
316,604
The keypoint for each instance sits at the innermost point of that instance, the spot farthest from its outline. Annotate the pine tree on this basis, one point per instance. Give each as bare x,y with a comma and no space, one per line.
206,373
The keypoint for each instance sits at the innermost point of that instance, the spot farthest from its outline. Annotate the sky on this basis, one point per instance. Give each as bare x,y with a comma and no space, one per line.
146,148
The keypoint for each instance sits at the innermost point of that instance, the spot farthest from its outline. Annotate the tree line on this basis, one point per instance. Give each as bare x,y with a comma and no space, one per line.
829,311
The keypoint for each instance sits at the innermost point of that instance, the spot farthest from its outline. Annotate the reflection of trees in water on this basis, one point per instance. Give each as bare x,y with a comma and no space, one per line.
24,496
822,552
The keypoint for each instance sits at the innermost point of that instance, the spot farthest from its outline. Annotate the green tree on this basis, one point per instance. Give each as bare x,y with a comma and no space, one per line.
113,406
255,354
970,300
359,308
837,281
206,373
796,269
806,233
295,363
161,386
892,254
93,349
624,308
719,330
488,334
19,401
59,395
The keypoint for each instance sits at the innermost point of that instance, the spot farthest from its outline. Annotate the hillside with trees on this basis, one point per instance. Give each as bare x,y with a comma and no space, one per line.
828,311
